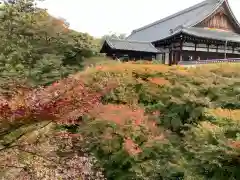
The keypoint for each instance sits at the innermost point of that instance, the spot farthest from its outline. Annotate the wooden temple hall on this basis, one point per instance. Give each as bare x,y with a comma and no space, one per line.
206,31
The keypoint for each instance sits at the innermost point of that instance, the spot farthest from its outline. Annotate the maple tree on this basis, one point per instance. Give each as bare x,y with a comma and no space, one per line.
37,48
64,102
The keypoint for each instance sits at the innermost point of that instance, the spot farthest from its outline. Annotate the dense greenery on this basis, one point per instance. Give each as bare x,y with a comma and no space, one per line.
141,121
166,123
37,48
114,121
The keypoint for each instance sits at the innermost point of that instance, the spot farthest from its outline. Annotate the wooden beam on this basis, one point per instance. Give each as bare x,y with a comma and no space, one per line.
181,46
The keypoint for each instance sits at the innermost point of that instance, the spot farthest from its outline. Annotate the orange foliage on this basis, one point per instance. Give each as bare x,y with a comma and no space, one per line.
120,114
234,144
63,102
131,147
60,23
123,115
159,81
182,72
226,113
129,67
132,119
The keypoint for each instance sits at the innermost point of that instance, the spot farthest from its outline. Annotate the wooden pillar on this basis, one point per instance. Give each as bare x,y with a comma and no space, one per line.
181,52
195,51
167,57
208,46
171,54
225,50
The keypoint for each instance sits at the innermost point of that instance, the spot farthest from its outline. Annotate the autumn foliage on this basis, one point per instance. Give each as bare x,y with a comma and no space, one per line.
165,122
63,102
135,121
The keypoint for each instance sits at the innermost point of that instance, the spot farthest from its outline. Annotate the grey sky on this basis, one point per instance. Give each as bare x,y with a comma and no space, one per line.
121,16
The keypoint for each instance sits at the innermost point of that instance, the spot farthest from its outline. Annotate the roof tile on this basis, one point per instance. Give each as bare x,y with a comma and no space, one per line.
212,34
186,18
131,45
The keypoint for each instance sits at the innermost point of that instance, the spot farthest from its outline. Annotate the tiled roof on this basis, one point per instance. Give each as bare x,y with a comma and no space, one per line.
172,24
212,34
131,45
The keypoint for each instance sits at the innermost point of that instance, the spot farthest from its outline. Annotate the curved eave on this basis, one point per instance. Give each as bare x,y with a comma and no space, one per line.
235,39
232,14
125,45
210,14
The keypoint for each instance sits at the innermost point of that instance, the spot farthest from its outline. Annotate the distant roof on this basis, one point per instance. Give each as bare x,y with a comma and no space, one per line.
131,45
186,18
212,34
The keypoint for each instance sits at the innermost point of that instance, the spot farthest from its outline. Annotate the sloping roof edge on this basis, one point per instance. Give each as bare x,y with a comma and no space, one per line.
112,45
232,14
217,6
229,9
188,31
212,5
178,14
231,37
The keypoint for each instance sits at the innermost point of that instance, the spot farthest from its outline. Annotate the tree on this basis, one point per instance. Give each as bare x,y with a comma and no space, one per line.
32,39
113,36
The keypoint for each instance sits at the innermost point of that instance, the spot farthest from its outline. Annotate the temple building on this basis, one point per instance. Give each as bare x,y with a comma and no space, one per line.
206,31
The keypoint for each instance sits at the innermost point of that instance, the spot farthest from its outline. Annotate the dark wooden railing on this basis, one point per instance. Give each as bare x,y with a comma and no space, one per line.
213,61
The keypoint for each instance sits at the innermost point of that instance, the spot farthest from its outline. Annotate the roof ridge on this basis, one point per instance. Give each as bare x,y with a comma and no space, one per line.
178,13
125,40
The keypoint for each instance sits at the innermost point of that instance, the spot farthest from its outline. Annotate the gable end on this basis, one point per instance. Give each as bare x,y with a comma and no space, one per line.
221,19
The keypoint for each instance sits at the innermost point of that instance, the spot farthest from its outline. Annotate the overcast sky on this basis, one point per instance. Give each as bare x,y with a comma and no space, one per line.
100,17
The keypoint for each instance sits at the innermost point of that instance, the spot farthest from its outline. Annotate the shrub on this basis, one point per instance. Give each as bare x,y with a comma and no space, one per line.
127,143
194,145
152,122
213,149
64,102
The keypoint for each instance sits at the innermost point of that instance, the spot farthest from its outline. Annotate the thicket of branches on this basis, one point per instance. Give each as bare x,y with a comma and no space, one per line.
37,48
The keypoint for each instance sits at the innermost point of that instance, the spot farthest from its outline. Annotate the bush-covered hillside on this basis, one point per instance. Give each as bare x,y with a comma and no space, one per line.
126,121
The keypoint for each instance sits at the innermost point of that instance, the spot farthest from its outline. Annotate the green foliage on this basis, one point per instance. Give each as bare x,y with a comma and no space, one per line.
159,122
109,142
37,47
198,139
152,122
214,146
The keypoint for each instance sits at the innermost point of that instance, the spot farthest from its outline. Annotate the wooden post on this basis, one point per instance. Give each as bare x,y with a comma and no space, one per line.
171,56
181,47
225,50
195,51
